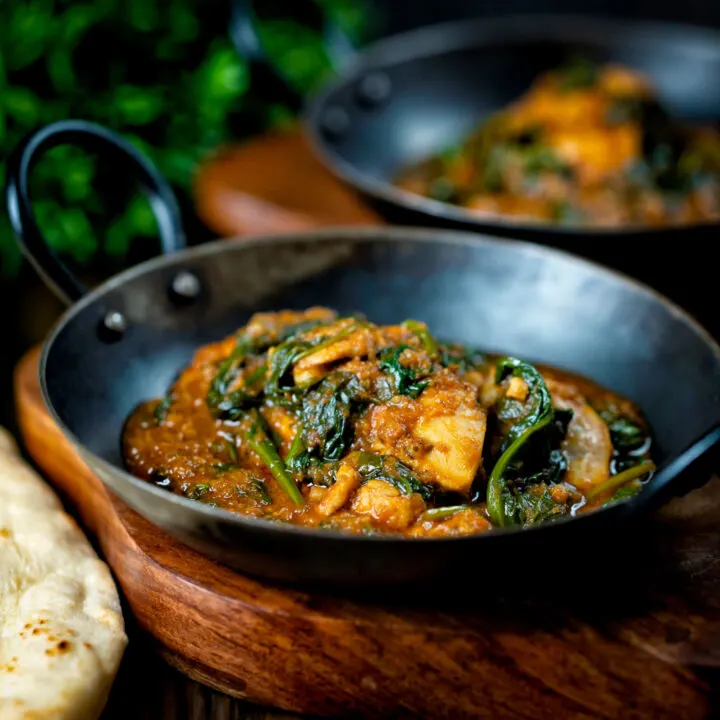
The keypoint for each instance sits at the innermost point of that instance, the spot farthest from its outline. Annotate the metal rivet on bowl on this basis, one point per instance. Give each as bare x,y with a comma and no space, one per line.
374,89
334,122
115,322
112,326
185,286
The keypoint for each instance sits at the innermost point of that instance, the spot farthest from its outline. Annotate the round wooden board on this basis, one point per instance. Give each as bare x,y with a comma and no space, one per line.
643,643
272,184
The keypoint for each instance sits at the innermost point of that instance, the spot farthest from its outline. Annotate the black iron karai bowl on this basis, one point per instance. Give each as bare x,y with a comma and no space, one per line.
124,342
411,96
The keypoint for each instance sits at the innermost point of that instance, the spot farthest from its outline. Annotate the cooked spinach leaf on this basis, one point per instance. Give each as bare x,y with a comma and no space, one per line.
421,330
255,490
631,442
222,403
279,379
406,382
624,433
538,408
326,414
298,457
538,414
578,74
392,471
462,357
536,506
553,470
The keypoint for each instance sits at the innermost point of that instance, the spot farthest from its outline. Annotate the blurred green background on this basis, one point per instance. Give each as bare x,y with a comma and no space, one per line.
166,75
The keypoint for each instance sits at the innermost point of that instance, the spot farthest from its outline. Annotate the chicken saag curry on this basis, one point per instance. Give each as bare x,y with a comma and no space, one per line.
586,146
332,421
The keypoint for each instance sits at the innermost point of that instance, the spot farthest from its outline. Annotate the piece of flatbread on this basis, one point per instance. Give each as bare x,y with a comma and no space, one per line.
61,628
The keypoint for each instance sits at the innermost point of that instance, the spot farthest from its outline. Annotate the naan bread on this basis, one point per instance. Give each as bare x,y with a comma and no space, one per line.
61,627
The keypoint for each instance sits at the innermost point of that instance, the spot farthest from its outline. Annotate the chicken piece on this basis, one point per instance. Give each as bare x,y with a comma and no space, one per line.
617,80
454,425
517,389
456,452
587,445
509,204
316,494
347,480
596,153
440,434
385,504
466,522
271,325
545,106
315,366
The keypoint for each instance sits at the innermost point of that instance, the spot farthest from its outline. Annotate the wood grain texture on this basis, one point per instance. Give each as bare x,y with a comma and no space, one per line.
273,184
147,688
638,642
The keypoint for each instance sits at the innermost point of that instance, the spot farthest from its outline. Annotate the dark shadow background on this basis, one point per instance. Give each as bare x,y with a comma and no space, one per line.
404,14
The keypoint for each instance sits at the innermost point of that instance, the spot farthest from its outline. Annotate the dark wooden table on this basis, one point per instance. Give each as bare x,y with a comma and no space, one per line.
147,688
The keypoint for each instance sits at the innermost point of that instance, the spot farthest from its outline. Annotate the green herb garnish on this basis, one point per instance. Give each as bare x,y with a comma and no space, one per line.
162,409
198,491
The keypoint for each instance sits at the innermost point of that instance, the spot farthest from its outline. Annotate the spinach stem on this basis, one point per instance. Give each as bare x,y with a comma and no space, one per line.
496,485
297,447
231,448
257,374
441,513
428,341
623,478
351,328
259,441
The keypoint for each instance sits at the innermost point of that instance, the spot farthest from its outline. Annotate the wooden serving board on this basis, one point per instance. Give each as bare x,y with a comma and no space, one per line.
638,641
273,184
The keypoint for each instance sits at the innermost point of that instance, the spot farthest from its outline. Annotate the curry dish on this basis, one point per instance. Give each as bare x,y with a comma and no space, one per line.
587,146
326,421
